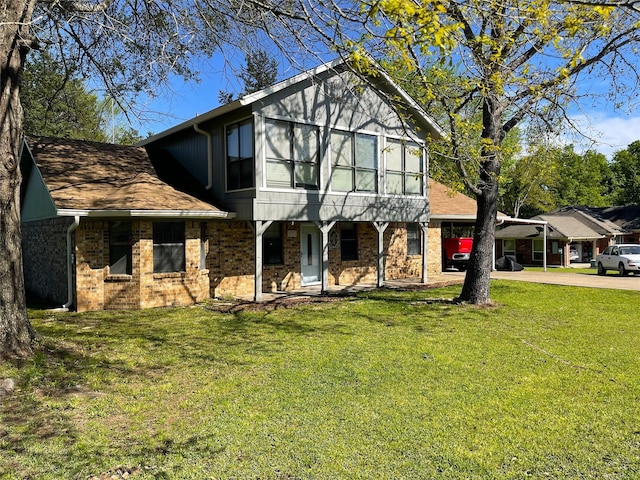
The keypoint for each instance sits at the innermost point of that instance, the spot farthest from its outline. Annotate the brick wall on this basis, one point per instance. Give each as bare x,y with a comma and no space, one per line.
96,289
44,250
231,258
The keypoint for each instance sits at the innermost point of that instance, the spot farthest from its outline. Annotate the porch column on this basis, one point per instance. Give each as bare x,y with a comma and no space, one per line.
259,227
424,227
380,227
325,228
544,247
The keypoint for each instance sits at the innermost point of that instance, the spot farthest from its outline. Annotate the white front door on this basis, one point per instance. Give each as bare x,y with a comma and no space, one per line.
310,253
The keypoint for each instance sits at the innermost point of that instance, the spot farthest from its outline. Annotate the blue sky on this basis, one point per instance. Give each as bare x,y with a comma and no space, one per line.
607,130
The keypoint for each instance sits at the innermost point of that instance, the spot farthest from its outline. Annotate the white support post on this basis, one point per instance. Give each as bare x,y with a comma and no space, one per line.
424,227
544,247
259,228
380,227
325,228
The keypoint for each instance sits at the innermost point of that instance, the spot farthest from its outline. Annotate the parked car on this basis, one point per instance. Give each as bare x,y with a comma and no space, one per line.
624,258
574,256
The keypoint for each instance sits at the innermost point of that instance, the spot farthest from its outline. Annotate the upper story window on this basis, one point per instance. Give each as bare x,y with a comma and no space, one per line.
168,247
405,168
240,155
354,162
292,155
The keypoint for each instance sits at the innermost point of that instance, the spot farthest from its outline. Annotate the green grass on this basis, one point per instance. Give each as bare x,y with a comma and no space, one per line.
387,385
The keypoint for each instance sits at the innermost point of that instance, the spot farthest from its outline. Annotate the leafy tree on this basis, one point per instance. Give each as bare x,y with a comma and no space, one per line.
260,71
56,103
626,172
516,60
525,189
582,179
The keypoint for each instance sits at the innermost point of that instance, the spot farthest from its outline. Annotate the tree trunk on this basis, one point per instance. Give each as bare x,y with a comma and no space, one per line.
476,288
15,329
476,282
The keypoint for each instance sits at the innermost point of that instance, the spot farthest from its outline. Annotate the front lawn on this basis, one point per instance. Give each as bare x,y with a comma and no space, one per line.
386,385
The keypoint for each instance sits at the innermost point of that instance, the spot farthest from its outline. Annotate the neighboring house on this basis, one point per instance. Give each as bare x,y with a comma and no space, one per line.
314,181
568,228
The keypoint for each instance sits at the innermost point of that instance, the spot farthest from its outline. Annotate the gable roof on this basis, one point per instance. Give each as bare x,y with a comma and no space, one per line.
98,179
338,65
626,217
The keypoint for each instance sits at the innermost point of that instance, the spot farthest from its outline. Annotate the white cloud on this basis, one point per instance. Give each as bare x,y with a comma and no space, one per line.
606,134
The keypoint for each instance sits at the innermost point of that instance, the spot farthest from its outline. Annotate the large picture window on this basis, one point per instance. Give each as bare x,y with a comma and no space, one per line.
292,155
348,241
120,248
168,247
272,245
240,155
354,162
405,168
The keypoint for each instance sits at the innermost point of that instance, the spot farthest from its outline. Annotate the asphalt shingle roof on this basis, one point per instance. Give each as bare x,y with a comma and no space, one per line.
99,176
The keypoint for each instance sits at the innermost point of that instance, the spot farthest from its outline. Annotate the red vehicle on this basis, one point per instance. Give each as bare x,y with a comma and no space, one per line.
456,252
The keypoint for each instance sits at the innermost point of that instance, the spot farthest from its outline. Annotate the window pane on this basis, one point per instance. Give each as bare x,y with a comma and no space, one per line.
168,258
509,246
233,151
305,143
278,174
394,183
168,247
278,141
272,245
120,248
341,153
240,155
366,151
413,158
246,139
413,184
348,242
413,239
366,181
306,175
394,155
342,179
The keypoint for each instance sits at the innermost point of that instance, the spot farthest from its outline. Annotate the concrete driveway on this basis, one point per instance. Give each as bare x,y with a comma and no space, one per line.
615,281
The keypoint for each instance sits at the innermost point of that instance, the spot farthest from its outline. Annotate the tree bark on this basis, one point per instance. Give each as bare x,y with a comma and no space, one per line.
15,329
476,288
477,279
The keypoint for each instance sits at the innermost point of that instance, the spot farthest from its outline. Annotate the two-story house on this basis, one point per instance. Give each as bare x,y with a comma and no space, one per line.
321,179
327,178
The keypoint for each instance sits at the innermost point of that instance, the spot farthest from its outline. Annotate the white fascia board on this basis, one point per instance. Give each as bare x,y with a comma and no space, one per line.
203,214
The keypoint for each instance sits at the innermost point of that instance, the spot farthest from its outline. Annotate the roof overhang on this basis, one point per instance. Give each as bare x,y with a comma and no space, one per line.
194,214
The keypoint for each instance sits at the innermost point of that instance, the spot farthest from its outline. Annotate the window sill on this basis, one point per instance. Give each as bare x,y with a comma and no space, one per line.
118,278
159,276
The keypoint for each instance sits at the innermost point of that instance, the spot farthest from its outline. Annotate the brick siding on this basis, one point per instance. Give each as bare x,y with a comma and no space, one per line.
44,251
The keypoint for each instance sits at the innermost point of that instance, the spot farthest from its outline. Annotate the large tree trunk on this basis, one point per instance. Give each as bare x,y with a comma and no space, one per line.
15,330
477,280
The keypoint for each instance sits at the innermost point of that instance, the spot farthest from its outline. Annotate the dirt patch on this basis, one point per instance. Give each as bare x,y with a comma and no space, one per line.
297,299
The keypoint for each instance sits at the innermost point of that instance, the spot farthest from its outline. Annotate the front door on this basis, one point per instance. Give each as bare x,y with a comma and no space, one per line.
310,253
